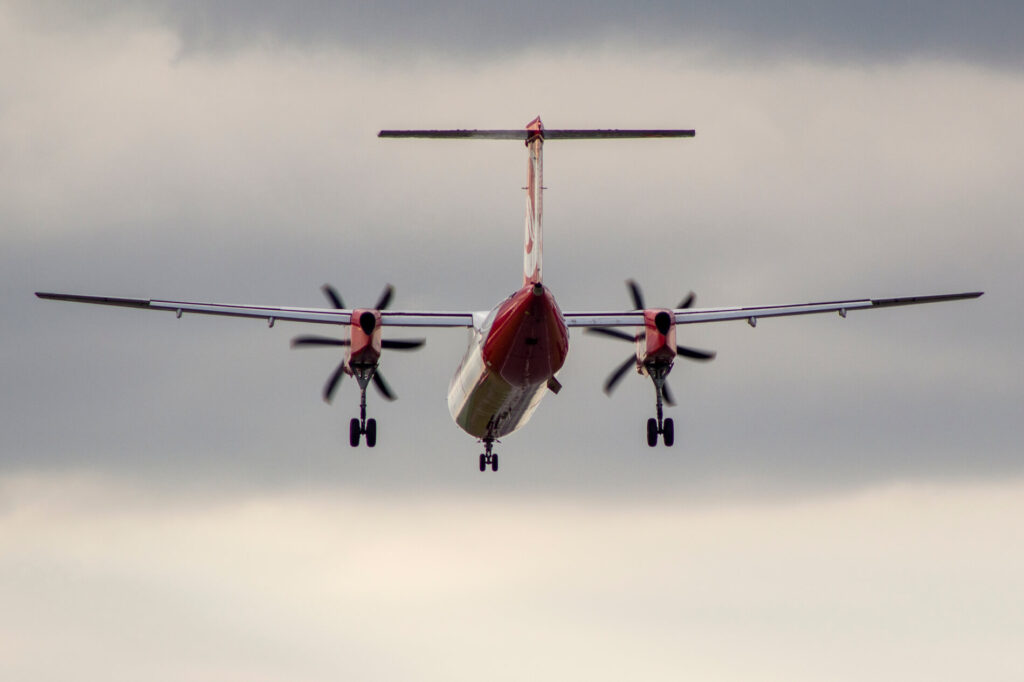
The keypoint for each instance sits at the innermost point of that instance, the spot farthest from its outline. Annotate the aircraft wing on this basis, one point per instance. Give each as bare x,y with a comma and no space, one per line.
274,313
635,318
629,318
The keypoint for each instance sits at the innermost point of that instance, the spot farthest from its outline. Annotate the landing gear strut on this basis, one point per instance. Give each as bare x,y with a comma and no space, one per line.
362,426
664,427
488,457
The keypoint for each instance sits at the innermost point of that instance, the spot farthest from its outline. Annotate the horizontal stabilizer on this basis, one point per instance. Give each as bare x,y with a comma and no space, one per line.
549,134
458,134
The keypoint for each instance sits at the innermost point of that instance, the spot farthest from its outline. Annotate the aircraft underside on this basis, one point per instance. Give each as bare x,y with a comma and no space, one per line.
511,362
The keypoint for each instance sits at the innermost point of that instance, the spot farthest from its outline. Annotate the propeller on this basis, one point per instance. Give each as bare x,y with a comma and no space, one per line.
367,322
333,381
666,394
638,297
685,351
619,372
318,341
382,386
333,296
385,298
614,333
695,353
402,344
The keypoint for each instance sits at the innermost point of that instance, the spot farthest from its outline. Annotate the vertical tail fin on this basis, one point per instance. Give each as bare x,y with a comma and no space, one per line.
533,248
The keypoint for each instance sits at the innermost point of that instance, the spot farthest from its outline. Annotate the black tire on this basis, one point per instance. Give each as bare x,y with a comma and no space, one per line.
652,432
668,432
371,432
483,463
353,432
494,462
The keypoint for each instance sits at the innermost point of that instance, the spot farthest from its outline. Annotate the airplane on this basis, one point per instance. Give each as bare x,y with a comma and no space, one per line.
517,348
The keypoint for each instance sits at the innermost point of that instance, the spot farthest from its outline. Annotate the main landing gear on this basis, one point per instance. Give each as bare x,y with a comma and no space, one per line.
488,457
362,426
665,427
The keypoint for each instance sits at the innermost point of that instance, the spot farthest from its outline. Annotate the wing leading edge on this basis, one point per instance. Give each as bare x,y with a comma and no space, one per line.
635,318
630,318
273,313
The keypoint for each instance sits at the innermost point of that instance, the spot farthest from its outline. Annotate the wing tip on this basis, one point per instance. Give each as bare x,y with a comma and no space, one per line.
914,300
101,300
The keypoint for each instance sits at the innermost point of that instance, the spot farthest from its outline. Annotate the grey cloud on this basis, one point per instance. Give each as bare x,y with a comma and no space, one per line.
840,31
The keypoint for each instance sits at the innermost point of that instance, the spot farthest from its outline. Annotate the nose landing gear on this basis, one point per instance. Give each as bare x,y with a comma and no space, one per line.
488,458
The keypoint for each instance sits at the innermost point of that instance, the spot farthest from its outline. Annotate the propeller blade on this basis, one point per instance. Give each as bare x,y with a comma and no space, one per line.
617,375
382,386
634,290
385,298
318,341
688,301
333,296
666,393
614,333
695,353
333,382
402,344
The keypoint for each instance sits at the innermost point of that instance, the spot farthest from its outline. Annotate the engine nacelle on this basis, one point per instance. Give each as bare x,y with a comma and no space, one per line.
658,342
365,337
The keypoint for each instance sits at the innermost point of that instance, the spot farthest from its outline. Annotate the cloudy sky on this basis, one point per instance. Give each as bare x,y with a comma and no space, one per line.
844,496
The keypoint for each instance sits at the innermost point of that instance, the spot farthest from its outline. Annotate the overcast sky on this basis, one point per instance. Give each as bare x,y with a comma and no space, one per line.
176,500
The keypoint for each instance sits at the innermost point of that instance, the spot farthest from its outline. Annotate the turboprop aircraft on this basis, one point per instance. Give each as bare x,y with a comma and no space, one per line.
517,348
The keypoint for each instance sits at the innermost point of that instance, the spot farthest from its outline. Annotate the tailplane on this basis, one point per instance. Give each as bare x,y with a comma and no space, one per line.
534,136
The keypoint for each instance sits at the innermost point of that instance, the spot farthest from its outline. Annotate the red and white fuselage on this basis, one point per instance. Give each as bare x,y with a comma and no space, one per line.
512,358
518,347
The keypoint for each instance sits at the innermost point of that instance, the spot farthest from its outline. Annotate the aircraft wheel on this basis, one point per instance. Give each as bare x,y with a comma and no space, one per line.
494,462
371,432
668,432
652,432
353,432
483,463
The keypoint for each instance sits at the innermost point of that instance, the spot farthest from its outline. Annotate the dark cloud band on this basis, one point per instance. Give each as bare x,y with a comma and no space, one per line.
866,31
